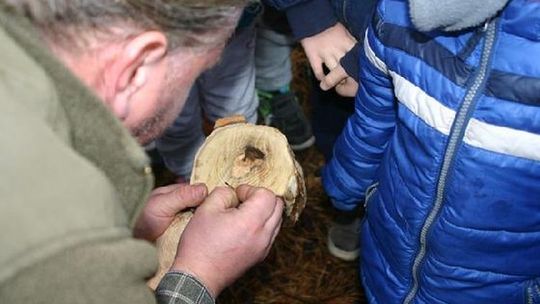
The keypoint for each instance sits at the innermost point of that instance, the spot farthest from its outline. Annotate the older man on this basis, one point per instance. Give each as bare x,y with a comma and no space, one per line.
75,185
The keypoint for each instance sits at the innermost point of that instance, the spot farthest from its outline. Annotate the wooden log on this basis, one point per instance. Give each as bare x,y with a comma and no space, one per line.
239,153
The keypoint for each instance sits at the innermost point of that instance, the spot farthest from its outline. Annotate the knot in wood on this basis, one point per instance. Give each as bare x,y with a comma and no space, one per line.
251,159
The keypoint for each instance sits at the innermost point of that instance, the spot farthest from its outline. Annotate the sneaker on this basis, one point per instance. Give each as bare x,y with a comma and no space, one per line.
282,111
344,236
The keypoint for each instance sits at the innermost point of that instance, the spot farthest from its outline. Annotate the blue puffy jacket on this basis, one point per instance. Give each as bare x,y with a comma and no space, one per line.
444,147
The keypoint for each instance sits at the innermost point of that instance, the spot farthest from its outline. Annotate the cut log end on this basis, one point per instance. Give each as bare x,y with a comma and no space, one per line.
255,155
229,121
238,153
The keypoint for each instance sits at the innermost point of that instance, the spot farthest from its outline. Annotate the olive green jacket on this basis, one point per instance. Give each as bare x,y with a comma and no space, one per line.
72,182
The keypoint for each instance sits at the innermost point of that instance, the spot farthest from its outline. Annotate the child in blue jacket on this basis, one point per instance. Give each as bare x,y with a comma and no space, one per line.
444,147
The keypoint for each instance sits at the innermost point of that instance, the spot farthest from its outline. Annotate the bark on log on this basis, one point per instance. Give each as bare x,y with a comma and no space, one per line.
238,153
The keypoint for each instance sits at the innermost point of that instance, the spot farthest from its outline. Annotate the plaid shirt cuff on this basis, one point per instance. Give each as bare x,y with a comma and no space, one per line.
182,288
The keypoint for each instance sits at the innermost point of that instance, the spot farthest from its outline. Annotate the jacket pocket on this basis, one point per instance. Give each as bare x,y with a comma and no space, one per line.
532,292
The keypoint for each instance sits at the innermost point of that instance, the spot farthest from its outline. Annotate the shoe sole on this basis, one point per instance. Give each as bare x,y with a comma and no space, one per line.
348,256
308,143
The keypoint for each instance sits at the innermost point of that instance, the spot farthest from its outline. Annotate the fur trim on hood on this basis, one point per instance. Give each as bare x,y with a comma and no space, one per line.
452,15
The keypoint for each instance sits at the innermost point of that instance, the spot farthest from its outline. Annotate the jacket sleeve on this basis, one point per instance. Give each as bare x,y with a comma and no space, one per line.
359,149
107,271
113,271
182,288
64,234
349,62
306,17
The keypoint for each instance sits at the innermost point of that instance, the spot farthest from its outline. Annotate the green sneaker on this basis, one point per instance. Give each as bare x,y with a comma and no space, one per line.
282,111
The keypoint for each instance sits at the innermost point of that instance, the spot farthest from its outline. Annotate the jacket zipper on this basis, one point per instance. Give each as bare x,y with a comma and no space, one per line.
532,293
455,138
369,193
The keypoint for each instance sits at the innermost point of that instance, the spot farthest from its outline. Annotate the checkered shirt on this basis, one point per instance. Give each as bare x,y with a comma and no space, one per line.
182,288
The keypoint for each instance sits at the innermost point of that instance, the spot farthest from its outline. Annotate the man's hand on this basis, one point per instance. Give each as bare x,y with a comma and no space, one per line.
164,203
327,48
224,239
338,78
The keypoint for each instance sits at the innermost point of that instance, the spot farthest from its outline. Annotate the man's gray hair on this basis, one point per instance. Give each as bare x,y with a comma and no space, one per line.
187,23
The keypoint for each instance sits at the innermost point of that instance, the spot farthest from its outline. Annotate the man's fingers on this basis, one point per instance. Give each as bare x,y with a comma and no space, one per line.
244,192
333,78
274,235
165,189
174,198
221,198
190,195
259,202
274,223
182,197
163,205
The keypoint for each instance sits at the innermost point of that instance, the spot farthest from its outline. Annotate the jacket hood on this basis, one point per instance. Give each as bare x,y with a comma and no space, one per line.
452,15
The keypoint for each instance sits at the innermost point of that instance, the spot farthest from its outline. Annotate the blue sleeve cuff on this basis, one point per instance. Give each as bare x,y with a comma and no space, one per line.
341,206
349,62
338,199
310,18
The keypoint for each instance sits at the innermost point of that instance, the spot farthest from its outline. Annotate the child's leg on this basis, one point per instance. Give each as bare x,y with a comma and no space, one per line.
229,87
279,106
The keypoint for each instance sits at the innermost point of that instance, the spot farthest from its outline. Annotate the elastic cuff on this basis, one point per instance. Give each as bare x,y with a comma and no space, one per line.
342,206
333,192
179,287
310,18
349,62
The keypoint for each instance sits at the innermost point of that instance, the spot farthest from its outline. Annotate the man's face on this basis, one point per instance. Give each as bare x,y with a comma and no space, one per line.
143,83
149,118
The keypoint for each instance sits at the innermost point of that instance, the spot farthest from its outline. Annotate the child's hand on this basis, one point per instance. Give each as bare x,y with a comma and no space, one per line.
338,78
327,48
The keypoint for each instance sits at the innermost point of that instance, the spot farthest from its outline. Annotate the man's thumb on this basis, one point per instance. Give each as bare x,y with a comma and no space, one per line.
221,198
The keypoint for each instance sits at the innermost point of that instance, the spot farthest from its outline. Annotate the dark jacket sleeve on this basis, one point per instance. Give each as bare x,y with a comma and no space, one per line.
306,18
349,62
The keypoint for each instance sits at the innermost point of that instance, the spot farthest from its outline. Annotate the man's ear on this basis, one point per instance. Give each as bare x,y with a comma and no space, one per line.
133,65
